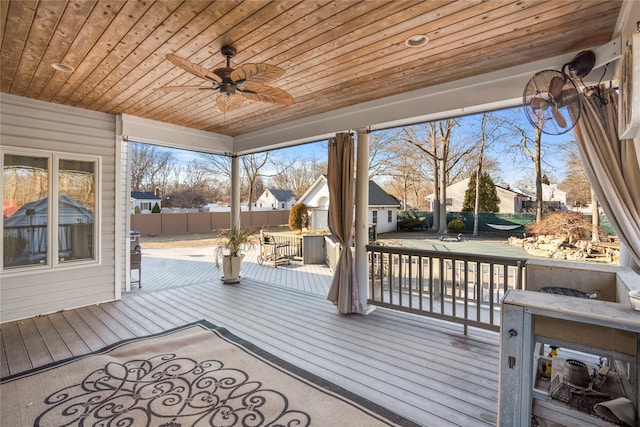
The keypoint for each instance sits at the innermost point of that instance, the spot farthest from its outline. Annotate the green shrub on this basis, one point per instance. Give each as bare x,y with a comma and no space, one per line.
298,217
409,224
136,209
156,208
455,226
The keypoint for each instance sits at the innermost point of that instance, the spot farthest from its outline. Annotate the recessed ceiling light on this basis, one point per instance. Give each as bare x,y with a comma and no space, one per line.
62,67
417,40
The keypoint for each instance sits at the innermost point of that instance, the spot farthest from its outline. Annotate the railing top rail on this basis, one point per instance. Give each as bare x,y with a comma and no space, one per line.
461,256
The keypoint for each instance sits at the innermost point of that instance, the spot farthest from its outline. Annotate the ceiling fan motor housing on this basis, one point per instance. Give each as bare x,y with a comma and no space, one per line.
227,88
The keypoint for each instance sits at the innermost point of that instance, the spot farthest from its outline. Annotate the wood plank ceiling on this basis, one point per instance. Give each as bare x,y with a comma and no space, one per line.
335,53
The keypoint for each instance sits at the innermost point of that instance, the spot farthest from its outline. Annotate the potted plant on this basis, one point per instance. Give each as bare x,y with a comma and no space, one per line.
231,252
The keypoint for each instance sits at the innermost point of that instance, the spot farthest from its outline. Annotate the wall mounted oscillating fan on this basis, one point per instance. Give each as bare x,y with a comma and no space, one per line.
551,98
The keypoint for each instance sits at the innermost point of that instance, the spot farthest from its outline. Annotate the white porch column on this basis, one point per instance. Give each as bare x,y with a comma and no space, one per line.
362,217
235,192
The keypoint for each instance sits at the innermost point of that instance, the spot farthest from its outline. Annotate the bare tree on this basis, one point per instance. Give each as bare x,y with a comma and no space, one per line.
445,154
379,152
490,132
533,149
407,168
251,174
575,183
148,164
252,165
297,175
218,165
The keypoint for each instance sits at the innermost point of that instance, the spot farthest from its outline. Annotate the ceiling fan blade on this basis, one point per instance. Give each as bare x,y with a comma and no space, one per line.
539,103
558,116
228,102
195,69
555,86
256,73
272,95
184,88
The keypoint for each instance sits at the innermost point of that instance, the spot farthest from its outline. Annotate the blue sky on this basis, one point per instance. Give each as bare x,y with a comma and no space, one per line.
511,171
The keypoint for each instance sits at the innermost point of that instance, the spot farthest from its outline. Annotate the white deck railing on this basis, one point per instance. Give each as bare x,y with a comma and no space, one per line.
458,287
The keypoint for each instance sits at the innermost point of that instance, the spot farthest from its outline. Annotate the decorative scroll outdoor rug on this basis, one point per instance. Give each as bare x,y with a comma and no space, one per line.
196,375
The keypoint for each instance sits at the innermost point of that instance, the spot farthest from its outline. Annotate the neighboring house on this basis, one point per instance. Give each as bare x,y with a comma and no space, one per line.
510,201
145,200
551,196
74,234
383,208
276,199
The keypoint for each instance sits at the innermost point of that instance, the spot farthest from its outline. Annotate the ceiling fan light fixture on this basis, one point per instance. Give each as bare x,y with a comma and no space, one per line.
59,66
417,40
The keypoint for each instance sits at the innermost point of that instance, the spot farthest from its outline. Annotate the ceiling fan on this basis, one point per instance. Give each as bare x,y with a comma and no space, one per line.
247,81
551,98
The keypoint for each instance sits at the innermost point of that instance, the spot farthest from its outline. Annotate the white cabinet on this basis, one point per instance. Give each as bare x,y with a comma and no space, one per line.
590,329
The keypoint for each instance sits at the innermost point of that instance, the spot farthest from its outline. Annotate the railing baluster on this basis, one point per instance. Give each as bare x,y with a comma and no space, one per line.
479,288
454,288
431,284
391,264
420,283
466,293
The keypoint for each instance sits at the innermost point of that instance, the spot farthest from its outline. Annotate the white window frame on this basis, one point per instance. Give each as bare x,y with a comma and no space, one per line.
53,159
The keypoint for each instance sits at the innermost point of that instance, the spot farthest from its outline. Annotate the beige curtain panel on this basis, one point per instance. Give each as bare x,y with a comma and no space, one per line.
344,287
611,165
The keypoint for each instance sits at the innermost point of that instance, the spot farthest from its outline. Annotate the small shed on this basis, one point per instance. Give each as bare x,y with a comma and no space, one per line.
383,208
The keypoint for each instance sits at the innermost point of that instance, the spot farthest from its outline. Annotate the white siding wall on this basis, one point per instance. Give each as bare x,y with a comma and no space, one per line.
383,225
39,125
267,200
507,201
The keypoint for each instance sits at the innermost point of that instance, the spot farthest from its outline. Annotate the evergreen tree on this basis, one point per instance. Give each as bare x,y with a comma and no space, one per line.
156,208
489,201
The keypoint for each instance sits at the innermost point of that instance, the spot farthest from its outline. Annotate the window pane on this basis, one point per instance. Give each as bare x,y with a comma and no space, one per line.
25,185
76,210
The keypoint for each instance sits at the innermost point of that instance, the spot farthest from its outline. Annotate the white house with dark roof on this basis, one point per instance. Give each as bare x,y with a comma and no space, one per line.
383,208
145,200
276,199
511,201
550,194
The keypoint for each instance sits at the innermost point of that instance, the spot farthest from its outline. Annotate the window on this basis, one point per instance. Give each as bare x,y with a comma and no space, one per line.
36,232
145,206
375,217
389,215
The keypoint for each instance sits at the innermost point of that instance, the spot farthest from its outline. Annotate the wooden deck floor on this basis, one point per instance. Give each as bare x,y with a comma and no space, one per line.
423,369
